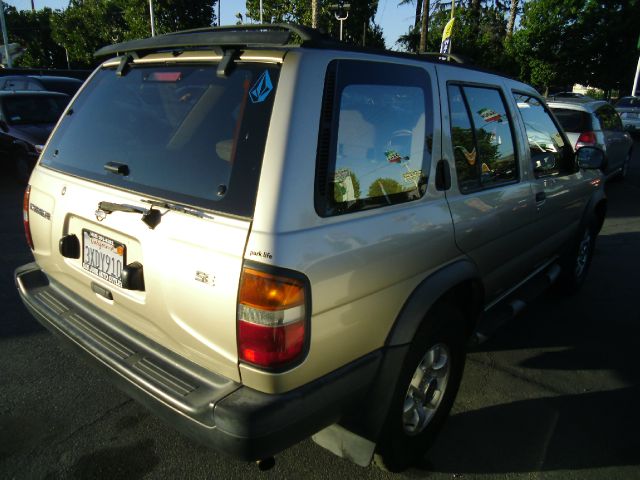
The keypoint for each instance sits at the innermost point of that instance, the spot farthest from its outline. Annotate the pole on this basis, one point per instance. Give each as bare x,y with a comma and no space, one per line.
153,21
260,11
219,19
314,13
5,37
341,19
635,81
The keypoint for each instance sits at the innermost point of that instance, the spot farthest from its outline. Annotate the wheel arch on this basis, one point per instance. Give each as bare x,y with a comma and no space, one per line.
458,283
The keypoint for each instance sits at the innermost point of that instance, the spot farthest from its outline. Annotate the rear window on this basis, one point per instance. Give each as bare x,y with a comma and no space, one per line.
183,133
628,102
36,109
573,121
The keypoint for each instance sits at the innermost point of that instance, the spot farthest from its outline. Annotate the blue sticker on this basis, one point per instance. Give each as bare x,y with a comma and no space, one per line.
261,89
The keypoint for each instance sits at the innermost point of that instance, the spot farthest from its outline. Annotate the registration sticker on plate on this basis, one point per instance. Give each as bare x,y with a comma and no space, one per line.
103,256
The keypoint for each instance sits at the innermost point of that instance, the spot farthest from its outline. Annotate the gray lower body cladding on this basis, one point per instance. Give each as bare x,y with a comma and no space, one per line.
209,408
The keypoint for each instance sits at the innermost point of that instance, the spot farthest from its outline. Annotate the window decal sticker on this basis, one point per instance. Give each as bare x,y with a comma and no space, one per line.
394,157
489,115
261,89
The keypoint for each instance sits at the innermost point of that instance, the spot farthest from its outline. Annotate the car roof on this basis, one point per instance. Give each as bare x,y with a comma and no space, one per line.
55,78
30,93
18,77
583,104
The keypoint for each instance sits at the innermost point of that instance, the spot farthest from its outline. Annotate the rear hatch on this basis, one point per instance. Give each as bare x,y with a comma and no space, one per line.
154,169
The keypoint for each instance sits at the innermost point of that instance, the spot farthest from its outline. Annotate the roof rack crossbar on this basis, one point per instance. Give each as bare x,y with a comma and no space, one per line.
227,36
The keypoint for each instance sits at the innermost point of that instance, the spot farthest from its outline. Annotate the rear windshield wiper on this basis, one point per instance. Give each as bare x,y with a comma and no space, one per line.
117,168
150,217
178,207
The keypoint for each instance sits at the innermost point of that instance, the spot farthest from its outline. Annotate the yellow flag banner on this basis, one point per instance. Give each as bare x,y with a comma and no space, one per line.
445,46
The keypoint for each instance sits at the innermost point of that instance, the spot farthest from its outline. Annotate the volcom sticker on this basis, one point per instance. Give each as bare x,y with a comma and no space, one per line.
261,89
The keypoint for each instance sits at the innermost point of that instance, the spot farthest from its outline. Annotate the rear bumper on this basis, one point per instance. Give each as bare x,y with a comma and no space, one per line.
210,408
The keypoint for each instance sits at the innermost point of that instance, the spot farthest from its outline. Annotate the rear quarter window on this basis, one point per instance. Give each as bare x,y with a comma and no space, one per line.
375,138
573,121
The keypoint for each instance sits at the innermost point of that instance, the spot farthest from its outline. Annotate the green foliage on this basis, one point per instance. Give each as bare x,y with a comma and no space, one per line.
596,93
577,41
477,35
32,30
389,185
359,27
87,25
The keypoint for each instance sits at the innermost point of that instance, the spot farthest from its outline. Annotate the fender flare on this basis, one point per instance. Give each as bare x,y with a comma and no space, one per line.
370,420
597,200
425,295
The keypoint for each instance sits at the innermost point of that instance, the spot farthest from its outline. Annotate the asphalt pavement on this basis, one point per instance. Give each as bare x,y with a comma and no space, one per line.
553,394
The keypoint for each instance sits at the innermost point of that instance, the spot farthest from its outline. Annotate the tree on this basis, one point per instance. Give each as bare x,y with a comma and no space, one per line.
32,30
577,41
87,25
513,12
609,30
424,26
383,187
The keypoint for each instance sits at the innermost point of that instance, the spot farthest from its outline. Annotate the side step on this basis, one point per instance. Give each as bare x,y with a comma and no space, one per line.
513,303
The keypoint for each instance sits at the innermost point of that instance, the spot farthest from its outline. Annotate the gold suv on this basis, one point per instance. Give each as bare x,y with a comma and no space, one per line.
264,235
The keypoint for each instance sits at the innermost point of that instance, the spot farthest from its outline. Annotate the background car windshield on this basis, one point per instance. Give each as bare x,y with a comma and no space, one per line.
23,109
184,133
573,121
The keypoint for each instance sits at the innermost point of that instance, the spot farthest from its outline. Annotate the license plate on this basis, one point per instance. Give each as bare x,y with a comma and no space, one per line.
103,256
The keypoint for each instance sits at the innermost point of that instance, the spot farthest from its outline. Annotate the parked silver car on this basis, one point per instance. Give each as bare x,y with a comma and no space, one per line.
629,110
265,235
595,123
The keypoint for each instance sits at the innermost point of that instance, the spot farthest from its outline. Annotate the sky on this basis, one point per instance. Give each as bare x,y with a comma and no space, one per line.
393,19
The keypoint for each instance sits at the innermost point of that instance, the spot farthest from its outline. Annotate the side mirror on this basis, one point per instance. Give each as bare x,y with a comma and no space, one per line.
4,126
590,158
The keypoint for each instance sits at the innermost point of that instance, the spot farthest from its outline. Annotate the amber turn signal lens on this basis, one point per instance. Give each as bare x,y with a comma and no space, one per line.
270,292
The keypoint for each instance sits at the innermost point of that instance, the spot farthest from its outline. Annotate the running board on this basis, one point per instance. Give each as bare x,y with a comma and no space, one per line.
510,305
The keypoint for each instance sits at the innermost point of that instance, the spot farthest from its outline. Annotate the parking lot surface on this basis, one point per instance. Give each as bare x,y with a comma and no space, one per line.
553,394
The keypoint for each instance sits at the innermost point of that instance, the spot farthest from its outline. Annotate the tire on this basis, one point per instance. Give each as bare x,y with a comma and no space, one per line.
576,262
425,391
625,167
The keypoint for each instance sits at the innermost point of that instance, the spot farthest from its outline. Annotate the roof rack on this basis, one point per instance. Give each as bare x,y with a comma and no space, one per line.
228,36
447,56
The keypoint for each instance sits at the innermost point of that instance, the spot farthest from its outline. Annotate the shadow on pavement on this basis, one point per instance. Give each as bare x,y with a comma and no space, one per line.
15,320
590,342
573,432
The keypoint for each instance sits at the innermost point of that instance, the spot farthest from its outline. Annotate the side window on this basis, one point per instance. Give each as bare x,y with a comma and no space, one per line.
609,119
550,154
378,137
482,138
465,152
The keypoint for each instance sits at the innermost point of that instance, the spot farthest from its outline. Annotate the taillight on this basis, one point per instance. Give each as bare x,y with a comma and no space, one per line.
25,216
586,139
272,318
